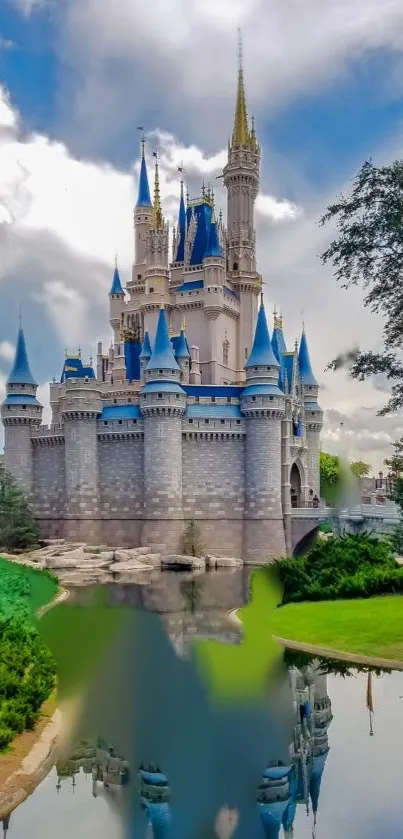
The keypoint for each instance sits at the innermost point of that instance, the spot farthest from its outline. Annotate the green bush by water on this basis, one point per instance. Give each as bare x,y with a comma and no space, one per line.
27,668
343,567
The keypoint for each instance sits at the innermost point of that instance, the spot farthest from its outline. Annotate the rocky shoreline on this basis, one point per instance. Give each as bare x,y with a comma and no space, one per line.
81,564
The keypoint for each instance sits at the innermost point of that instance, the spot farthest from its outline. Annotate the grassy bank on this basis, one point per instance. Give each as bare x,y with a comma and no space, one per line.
27,669
369,627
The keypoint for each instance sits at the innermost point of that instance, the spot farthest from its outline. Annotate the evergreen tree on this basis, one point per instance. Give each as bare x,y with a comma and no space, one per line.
18,528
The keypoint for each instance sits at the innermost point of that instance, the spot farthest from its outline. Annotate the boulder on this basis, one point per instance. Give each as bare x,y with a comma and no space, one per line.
127,555
130,565
67,560
141,551
180,562
228,562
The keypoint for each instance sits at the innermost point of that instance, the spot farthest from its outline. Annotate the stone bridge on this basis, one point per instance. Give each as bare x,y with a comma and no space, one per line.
375,518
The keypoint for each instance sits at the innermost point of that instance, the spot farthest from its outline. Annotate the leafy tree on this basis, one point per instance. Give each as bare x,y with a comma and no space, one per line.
395,462
332,478
360,469
18,529
368,251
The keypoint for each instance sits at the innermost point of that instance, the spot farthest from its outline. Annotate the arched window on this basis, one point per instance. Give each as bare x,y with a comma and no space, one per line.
225,352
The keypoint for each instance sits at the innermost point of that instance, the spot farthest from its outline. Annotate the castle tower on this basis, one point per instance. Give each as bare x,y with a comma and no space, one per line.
263,405
21,414
313,414
143,214
214,273
179,255
145,355
241,179
116,300
322,719
157,273
162,405
81,407
183,356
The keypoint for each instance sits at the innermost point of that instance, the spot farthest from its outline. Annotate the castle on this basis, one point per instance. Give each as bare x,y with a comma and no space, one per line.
194,414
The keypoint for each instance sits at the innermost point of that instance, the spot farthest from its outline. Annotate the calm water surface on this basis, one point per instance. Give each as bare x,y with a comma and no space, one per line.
180,736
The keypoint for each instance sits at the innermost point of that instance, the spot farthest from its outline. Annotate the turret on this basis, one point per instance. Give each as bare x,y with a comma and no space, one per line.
179,256
145,354
157,273
143,214
162,405
116,301
241,179
273,799
313,414
81,405
21,414
263,405
183,356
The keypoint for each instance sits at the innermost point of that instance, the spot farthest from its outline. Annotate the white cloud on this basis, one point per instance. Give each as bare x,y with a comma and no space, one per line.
266,205
179,57
7,350
26,7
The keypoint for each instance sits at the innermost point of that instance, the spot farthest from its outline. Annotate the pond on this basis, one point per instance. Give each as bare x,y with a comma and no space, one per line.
180,733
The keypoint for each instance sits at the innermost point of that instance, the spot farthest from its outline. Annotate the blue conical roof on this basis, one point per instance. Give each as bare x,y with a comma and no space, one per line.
116,287
180,253
278,343
162,357
213,248
316,779
21,372
146,350
304,362
144,197
182,350
262,354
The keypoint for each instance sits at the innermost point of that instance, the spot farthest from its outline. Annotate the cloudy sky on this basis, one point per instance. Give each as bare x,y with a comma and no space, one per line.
325,82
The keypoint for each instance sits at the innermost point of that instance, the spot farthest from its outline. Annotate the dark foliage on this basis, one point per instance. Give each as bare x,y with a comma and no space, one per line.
368,251
18,529
342,567
27,677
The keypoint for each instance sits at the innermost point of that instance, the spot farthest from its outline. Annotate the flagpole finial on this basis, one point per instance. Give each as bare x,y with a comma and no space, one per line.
20,315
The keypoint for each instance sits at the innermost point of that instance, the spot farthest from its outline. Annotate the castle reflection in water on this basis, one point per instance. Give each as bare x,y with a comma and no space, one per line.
284,786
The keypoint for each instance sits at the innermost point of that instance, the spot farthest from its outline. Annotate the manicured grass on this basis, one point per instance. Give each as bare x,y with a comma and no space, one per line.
370,627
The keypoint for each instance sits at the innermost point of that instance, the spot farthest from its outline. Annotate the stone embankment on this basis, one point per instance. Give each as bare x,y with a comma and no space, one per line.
80,564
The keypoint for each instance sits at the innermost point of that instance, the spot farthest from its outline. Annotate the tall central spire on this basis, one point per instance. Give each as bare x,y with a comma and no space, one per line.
158,218
240,134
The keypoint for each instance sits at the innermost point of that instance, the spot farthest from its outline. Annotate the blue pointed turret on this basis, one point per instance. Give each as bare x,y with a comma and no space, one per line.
116,287
144,197
262,354
180,253
304,362
182,350
146,350
316,779
21,372
213,248
162,357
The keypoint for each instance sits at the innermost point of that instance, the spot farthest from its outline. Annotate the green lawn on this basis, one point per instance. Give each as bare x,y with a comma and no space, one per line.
372,627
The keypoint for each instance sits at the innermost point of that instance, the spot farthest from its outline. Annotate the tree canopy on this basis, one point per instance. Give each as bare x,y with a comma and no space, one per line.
368,251
331,475
18,529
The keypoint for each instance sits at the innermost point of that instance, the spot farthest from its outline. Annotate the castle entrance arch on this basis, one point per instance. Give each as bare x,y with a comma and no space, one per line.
295,481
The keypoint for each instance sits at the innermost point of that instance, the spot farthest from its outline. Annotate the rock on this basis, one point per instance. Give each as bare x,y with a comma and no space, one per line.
52,542
96,550
67,560
153,559
130,565
179,562
211,561
93,563
228,562
127,555
141,551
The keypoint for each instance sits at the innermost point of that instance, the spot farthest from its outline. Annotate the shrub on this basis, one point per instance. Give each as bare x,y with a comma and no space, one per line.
343,567
18,528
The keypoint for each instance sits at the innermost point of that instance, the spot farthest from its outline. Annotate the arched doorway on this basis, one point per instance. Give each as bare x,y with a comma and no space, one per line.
295,481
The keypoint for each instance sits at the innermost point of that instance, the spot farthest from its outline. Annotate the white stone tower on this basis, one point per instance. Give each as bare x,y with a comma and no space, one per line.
241,178
21,414
157,253
263,405
162,405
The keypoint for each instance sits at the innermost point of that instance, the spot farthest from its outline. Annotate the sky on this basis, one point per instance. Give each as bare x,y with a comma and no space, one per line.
77,78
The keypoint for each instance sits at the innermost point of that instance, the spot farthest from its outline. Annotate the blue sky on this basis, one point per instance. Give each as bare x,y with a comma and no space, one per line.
324,81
